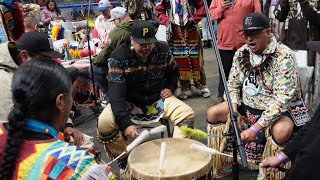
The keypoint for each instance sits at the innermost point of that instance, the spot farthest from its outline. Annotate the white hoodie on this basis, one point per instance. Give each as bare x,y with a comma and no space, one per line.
7,68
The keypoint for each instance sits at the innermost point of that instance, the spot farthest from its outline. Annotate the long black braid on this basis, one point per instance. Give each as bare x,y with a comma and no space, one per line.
14,138
35,86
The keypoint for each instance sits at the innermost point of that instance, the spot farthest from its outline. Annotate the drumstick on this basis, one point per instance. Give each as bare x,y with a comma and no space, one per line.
207,149
158,130
279,168
143,136
162,155
214,152
116,158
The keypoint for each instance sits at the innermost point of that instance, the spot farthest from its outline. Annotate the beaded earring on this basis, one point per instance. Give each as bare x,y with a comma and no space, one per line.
131,47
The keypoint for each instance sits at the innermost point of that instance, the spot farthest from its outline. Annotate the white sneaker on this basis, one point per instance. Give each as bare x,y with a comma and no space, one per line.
72,114
205,92
104,101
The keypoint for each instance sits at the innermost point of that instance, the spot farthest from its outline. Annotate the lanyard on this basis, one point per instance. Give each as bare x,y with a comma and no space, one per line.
38,126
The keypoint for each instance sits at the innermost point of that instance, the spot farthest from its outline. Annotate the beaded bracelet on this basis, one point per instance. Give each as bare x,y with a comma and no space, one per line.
281,158
255,130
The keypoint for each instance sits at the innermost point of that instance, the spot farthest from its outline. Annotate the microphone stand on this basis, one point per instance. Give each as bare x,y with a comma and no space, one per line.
237,142
95,109
90,59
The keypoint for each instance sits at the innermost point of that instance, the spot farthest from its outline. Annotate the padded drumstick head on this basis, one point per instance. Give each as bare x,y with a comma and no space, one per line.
158,130
207,149
142,137
203,148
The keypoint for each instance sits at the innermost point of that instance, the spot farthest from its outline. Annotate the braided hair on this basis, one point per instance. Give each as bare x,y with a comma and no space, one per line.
35,87
246,64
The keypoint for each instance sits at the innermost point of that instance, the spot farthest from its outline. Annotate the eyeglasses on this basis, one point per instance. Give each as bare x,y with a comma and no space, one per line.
252,33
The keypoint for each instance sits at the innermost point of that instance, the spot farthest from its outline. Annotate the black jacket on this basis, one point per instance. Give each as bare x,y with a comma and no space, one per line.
295,35
134,81
297,32
311,15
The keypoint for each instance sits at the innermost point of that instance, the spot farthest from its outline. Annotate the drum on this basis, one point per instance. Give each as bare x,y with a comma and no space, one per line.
180,161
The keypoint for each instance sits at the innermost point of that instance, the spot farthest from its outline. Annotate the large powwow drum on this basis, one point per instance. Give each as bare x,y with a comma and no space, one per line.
180,161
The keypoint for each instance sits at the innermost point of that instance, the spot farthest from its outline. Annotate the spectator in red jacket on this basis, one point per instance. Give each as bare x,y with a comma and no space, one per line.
229,15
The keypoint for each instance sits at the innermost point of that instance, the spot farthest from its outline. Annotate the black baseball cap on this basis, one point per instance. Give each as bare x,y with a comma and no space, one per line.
37,42
143,32
255,21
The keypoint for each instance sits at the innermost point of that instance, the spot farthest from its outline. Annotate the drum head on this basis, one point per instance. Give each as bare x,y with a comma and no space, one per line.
180,162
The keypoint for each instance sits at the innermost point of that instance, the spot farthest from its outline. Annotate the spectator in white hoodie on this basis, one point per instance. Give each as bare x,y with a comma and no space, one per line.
102,27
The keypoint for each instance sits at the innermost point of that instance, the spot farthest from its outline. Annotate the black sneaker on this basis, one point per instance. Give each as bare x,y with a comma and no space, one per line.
123,172
209,44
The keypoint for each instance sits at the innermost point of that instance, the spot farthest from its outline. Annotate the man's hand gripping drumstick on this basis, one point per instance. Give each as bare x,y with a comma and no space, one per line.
212,151
266,164
141,138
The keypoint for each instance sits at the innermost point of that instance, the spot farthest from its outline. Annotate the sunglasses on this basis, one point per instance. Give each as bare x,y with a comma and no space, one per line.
252,33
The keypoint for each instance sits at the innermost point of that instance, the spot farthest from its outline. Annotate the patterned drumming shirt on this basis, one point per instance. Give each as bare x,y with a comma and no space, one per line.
273,89
130,79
